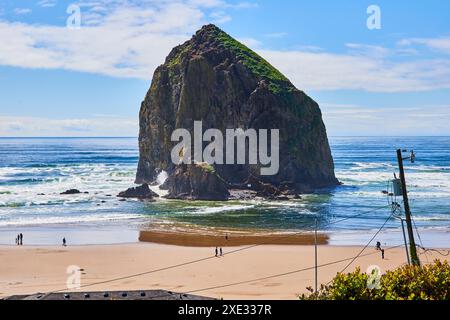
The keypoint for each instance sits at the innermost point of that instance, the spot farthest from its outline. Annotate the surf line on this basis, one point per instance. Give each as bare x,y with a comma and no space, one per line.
239,144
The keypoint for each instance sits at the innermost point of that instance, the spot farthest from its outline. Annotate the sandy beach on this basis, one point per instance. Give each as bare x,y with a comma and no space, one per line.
29,269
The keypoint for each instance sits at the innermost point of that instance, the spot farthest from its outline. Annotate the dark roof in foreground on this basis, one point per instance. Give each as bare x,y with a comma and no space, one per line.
111,295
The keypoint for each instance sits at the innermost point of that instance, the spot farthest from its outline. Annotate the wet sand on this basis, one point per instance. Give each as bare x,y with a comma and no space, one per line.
196,239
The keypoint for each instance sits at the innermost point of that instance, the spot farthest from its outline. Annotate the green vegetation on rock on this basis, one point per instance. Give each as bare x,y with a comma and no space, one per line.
206,167
176,60
278,83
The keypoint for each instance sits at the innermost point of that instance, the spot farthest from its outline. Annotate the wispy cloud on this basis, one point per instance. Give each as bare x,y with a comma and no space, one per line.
344,119
441,44
364,50
220,17
121,38
276,35
130,38
340,119
329,71
22,11
250,42
243,5
125,41
103,125
47,3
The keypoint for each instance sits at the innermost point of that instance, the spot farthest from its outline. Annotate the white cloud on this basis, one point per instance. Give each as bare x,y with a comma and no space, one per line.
441,44
351,120
220,17
130,38
47,3
364,50
276,35
328,71
127,41
242,5
22,11
102,125
250,42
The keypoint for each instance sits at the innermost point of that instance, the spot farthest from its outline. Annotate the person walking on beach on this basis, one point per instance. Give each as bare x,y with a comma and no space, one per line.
64,242
20,239
226,236
382,254
217,252
221,252
378,247
17,240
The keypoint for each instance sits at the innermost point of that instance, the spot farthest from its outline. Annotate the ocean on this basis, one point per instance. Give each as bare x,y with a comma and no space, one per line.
34,171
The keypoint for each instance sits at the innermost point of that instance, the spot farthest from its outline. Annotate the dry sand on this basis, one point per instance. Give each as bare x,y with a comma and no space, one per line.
26,270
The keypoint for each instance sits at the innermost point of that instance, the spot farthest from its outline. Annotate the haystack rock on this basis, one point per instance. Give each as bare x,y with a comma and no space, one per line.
215,79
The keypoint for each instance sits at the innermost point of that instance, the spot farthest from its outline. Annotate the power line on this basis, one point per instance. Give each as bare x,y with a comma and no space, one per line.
213,257
142,273
420,239
438,251
425,250
311,229
368,243
275,275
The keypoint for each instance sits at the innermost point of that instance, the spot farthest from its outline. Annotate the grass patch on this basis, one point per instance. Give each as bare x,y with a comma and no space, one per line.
278,83
206,167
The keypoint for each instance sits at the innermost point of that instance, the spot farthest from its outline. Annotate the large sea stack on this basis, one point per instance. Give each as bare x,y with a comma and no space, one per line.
215,79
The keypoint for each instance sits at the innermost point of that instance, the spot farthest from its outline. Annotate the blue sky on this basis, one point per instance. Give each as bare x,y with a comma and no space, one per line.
56,81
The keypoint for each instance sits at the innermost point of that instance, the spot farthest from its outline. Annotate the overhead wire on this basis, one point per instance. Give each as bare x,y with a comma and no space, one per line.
213,257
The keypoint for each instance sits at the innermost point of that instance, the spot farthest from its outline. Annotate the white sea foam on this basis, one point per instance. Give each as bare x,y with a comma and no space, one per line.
370,165
36,220
228,208
424,217
162,177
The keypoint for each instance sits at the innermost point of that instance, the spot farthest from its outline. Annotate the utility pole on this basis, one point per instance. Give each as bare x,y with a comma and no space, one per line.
315,258
404,239
412,243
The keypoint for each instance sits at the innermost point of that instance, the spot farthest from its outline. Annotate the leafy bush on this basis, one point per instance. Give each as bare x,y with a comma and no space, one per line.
429,282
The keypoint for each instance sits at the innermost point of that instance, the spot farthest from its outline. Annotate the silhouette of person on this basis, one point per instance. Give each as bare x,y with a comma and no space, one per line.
21,239
382,254
217,252
221,252
64,242
378,247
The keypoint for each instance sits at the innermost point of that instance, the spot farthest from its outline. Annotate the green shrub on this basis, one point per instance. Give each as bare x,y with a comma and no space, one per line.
429,282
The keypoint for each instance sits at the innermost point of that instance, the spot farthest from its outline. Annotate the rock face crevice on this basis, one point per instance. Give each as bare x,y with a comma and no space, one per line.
215,79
